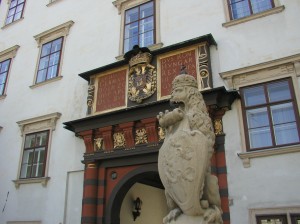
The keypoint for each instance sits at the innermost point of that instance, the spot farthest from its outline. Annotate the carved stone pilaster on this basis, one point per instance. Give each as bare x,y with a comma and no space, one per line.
128,134
88,140
151,128
90,97
106,133
204,67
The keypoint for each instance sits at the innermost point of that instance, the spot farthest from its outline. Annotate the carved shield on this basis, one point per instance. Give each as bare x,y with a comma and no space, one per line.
141,82
182,164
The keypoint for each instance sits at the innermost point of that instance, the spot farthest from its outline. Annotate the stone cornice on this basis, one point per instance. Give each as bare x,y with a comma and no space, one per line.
9,53
55,32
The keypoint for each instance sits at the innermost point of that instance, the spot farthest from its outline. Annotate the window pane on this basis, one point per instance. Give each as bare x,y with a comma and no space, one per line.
29,141
272,219
25,171
254,96
283,113
1,89
132,15
20,1
3,78
41,76
54,59
52,72
130,42
44,62
146,10
46,49
146,39
257,118
146,25
19,8
279,91
131,30
260,5
9,20
4,66
260,137
56,45
41,139
17,16
27,156
240,8
13,3
11,12
286,133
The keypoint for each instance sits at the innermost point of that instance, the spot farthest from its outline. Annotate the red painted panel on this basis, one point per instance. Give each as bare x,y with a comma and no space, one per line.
170,67
111,91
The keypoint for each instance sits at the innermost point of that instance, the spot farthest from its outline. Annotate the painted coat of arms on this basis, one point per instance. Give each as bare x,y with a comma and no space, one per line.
142,77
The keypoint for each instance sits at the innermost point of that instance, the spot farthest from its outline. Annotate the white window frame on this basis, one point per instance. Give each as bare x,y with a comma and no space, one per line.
259,73
33,125
122,6
47,36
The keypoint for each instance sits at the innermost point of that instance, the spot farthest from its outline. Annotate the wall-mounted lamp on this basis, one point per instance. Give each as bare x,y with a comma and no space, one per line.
137,203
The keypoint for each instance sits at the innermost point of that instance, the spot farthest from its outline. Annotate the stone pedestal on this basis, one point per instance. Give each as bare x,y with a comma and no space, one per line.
184,219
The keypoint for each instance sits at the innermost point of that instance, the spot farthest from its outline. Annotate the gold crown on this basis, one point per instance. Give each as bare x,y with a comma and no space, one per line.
140,58
184,80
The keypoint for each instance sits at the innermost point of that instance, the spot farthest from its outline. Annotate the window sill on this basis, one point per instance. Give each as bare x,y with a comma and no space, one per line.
2,97
52,2
42,180
10,24
254,16
46,82
246,156
151,48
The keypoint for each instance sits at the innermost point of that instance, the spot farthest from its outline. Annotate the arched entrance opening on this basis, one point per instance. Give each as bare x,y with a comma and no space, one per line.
142,182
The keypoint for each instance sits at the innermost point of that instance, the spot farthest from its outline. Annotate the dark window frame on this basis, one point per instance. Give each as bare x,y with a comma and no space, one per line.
295,217
46,145
268,105
229,2
6,77
14,14
138,21
49,55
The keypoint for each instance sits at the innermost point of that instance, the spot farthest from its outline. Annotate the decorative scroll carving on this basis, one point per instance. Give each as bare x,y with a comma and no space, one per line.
141,136
90,97
204,67
119,140
142,77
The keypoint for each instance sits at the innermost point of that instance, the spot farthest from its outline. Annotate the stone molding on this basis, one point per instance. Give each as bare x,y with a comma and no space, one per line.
51,2
277,9
55,32
9,53
42,180
39,123
282,67
247,156
57,78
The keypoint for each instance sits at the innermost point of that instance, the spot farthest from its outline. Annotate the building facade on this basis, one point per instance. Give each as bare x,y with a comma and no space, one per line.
81,83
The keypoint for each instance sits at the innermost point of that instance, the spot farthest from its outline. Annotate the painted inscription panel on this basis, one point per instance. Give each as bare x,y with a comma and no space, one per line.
170,67
111,91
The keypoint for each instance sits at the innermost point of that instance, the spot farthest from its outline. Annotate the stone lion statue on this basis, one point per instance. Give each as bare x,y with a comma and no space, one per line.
184,158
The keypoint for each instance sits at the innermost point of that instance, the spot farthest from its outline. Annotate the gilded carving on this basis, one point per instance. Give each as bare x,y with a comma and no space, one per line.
141,136
218,126
142,77
161,134
98,144
119,140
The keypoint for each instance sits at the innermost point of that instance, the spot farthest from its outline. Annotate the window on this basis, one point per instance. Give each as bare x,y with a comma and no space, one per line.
49,60
34,155
51,44
272,219
139,26
37,133
242,8
15,11
270,115
295,218
4,67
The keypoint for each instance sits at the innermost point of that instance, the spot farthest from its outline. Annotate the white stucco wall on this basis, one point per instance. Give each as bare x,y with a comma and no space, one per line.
93,41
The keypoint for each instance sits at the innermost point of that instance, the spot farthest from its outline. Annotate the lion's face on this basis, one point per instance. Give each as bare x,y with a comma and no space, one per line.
179,96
